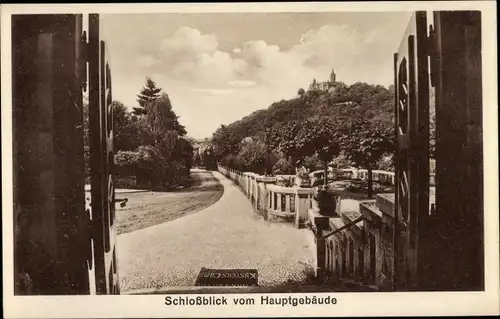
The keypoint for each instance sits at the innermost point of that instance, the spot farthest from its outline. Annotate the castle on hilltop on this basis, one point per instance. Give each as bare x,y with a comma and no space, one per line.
326,86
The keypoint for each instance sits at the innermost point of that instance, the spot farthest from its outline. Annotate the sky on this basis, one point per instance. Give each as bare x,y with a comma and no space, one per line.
219,67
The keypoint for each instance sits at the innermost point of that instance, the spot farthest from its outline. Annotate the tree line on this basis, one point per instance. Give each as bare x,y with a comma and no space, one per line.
150,144
347,126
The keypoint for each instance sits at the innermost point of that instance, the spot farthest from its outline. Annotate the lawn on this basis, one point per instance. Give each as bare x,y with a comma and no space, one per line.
145,209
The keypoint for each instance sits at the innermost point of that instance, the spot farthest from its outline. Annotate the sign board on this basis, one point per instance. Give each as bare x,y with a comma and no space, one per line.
227,277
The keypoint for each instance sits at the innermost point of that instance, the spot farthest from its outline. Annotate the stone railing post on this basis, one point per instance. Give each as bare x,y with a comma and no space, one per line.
271,199
241,180
263,182
278,197
244,177
246,186
257,192
252,188
256,196
303,196
249,183
320,224
288,199
321,257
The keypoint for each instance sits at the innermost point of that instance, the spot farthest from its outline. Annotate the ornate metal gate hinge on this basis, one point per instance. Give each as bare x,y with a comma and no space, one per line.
433,55
122,201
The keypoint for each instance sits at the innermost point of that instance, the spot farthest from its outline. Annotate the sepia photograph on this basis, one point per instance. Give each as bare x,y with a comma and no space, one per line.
250,156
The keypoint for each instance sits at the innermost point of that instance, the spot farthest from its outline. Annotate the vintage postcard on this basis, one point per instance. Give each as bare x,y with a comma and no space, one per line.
250,159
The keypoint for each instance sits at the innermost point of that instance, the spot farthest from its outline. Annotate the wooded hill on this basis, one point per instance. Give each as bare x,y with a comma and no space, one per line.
373,103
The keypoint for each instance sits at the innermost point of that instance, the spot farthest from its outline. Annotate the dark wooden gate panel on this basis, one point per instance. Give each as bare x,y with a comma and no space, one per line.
412,157
458,249
101,162
443,250
49,215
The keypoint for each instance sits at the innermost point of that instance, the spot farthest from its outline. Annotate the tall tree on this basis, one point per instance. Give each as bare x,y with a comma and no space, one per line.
253,156
318,137
183,152
289,144
283,167
125,129
170,119
208,158
225,142
158,119
364,144
148,94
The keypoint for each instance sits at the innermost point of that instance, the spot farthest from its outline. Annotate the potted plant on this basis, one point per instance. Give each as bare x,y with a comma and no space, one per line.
284,181
302,178
326,201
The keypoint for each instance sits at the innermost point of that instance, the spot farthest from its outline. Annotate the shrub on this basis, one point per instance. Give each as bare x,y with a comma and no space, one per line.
285,181
313,163
340,162
231,161
327,201
253,157
283,167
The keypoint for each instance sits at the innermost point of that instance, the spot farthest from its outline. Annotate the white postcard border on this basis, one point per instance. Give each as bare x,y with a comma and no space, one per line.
349,304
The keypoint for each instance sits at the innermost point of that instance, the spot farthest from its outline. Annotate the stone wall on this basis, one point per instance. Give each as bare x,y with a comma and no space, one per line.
353,248
357,246
270,200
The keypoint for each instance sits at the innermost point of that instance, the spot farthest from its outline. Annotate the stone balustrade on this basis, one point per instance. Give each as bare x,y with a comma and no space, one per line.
270,200
355,247
359,253
285,180
386,177
377,175
289,202
281,201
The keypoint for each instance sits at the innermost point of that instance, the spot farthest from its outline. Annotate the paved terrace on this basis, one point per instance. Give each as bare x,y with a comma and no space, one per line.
227,234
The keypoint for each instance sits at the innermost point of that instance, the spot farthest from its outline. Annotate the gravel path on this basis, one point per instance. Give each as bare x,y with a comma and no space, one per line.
227,234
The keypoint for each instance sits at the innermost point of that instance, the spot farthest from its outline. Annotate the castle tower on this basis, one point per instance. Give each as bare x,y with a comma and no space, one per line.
333,76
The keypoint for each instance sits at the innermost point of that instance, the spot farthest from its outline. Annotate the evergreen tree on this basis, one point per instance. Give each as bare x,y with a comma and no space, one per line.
148,93
159,118
125,128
